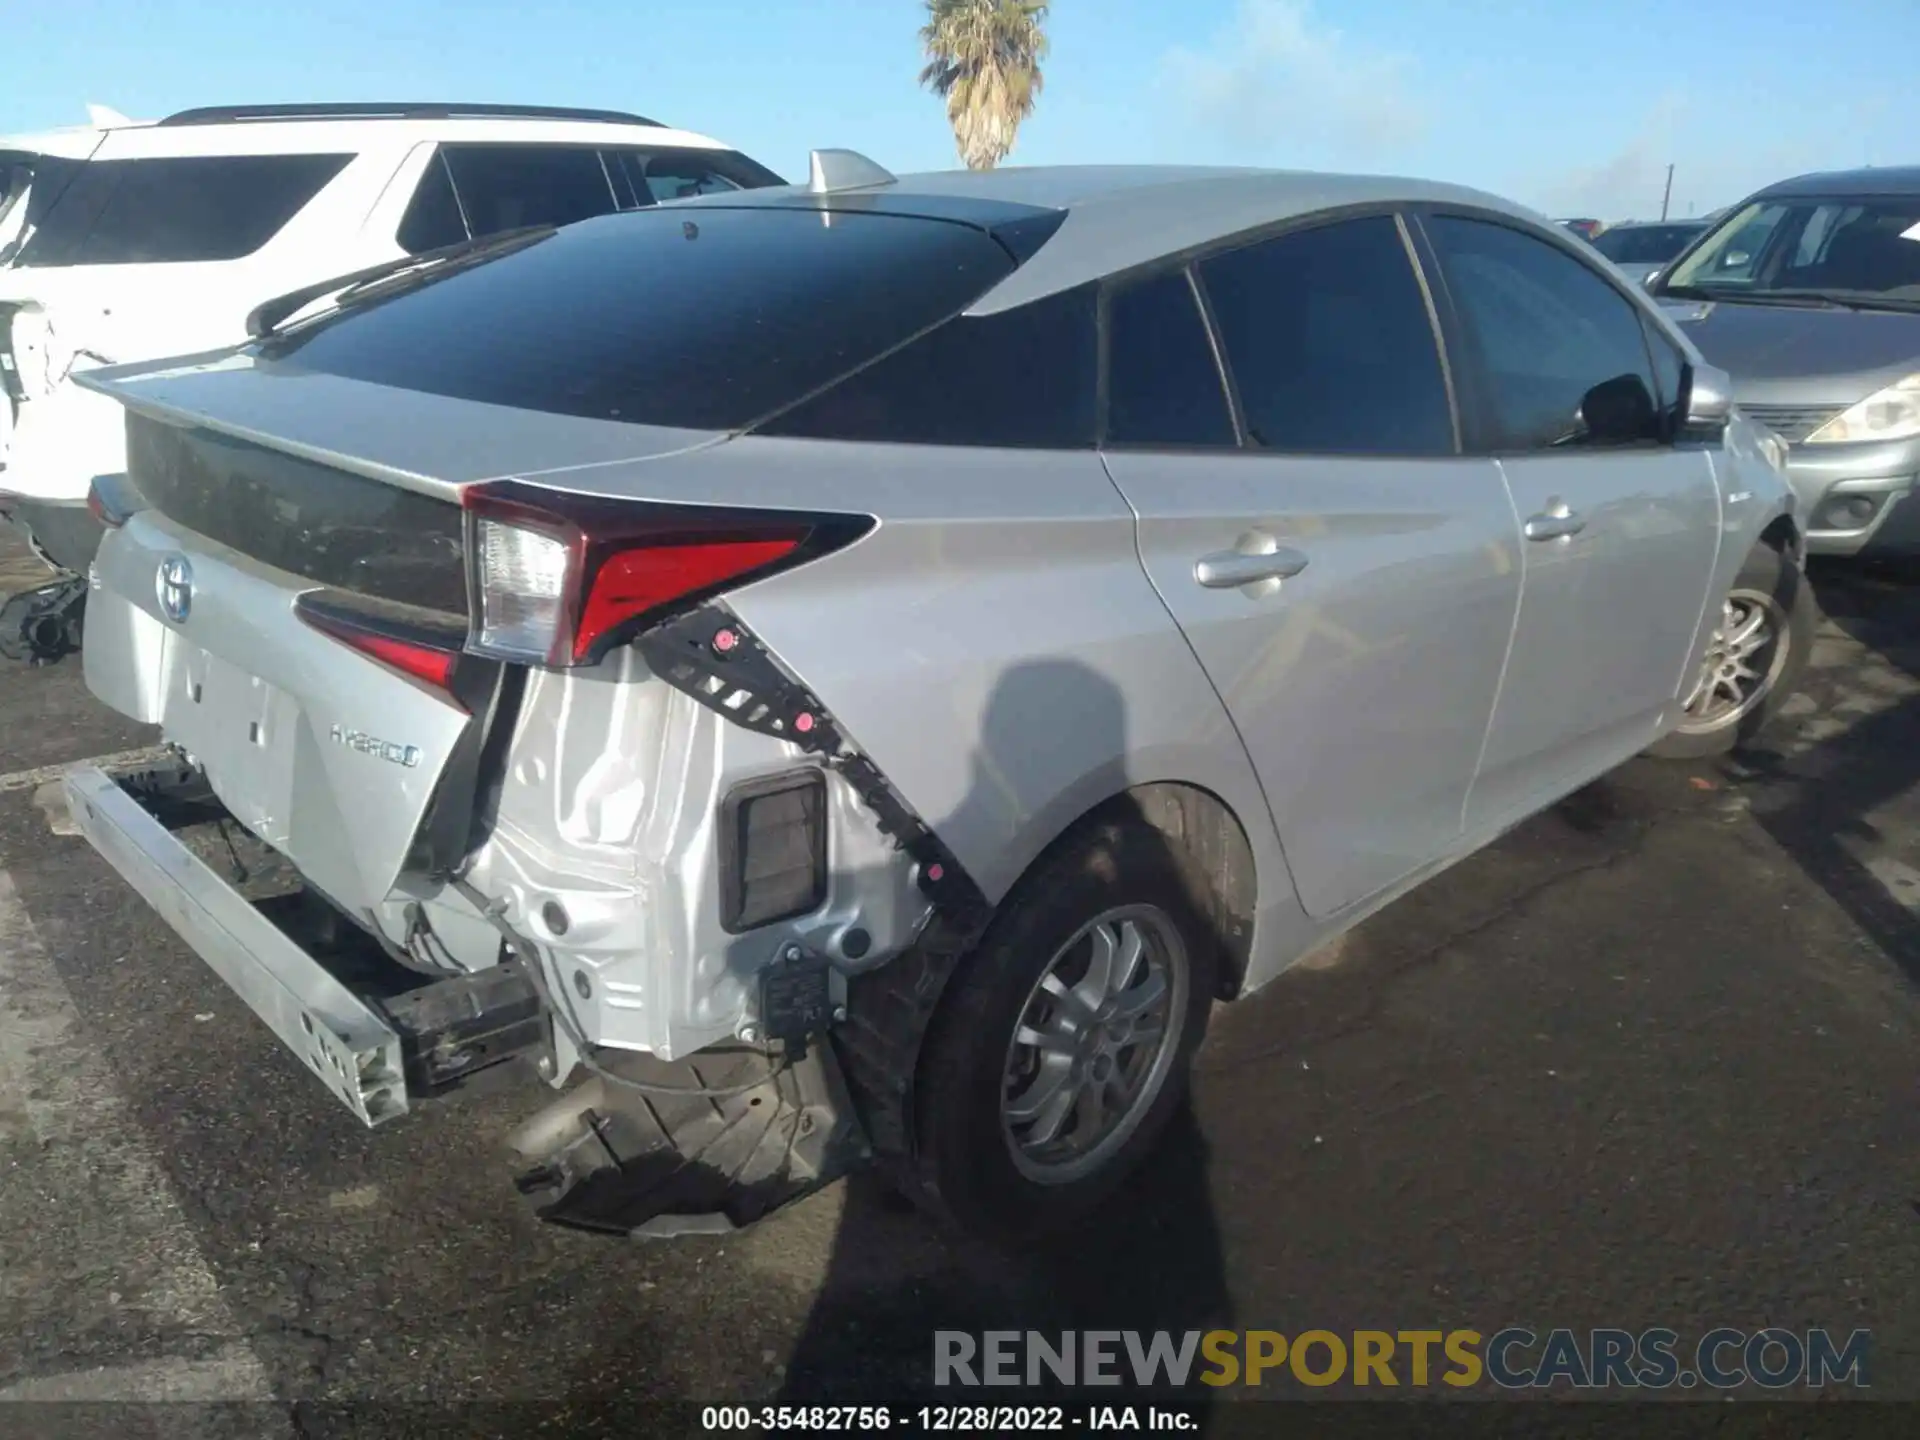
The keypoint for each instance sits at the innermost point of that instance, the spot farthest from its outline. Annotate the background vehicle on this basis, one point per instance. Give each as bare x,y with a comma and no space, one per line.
1808,294
1585,229
1638,248
20,155
138,241
854,675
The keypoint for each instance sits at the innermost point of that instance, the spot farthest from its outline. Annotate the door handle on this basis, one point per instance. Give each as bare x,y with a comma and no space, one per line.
1259,557
1557,522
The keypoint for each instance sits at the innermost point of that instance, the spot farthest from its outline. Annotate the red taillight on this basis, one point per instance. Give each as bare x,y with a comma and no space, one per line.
558,578
425,660
632,582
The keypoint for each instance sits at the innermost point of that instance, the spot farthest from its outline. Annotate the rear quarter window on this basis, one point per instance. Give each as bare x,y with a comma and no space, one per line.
1163,381
646,176
1025,378
177,209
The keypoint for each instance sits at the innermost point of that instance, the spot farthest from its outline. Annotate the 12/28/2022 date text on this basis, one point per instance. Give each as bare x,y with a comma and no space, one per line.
943,1419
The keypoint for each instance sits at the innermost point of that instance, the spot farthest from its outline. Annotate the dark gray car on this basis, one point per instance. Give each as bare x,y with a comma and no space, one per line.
1808,294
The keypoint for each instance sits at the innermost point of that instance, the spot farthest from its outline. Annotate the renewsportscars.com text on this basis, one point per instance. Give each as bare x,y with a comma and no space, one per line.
1515,1358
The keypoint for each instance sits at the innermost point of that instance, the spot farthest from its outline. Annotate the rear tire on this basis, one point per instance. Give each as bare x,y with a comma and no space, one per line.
1041,1085
1747,677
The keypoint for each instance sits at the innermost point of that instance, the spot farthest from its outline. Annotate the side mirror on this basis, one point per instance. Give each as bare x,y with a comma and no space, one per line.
1709,400
1646,280
1619,411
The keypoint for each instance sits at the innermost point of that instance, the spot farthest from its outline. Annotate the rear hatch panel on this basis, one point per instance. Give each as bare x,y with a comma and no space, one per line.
328,757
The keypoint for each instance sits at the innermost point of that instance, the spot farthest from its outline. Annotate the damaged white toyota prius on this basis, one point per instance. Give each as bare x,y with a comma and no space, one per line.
856,671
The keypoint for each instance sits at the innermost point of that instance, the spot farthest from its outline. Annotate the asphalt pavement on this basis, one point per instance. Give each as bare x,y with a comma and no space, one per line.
1651,1060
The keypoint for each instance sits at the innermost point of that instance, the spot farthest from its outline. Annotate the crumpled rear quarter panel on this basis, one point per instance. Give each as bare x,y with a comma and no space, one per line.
609,809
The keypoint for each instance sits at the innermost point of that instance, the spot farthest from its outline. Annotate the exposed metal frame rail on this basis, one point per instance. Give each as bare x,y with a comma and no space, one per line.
349,1046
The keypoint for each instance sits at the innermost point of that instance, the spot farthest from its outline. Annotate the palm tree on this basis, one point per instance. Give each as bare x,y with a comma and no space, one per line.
983,58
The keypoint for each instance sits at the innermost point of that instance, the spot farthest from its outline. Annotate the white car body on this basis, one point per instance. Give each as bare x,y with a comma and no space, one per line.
55,437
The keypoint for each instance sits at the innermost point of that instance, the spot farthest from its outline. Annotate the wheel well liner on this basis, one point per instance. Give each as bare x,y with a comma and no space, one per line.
1784,535
1215,858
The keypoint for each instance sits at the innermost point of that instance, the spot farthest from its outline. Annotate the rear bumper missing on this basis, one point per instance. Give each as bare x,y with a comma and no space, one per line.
381,1038
643,1146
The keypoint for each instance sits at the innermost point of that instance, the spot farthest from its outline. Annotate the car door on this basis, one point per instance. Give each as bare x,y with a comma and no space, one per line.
1346,577
1621,525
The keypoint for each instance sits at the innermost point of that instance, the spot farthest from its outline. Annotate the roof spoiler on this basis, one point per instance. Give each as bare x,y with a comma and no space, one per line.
832,171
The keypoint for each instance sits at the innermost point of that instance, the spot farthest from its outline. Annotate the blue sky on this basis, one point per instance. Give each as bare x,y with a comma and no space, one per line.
1575,108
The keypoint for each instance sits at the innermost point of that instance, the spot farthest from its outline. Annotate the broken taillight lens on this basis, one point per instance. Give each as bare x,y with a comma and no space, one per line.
558,579
112,500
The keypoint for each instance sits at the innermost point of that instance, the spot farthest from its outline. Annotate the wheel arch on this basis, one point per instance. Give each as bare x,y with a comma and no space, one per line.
1209,842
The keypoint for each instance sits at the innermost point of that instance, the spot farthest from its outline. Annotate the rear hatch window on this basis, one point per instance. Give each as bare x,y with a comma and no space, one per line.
177,209
1645,244
696,317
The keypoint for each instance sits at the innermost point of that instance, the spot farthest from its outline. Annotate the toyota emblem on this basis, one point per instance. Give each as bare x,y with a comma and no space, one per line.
174,586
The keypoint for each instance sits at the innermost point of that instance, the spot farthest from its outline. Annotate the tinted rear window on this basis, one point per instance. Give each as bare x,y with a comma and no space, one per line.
213,207
1644,244
503,187
704,318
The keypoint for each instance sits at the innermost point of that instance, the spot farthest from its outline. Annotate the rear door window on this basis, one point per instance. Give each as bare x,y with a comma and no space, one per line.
433,217
503,187
1025,378
1163,383
177,209
1330,343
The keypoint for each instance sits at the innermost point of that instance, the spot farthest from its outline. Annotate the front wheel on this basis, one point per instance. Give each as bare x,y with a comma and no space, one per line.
1060,1049
1753,661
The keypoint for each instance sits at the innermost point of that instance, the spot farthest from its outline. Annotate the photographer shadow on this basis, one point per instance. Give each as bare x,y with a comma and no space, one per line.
1841,805
1148,1259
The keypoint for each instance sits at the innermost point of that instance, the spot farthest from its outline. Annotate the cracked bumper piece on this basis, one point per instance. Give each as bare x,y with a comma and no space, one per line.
671,1160
336,1033
66,532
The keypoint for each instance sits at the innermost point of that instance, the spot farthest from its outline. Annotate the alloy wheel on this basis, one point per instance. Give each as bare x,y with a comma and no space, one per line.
1094,1044
1743,661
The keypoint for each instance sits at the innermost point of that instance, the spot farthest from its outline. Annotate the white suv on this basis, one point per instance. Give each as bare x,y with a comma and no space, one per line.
138,241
